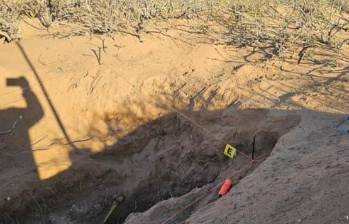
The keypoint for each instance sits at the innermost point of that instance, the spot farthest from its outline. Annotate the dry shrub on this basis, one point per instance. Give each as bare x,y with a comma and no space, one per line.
276,25
271,25
104,16
9,19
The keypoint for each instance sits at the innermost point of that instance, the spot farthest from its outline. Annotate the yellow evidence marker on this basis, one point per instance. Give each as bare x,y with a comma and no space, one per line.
230,151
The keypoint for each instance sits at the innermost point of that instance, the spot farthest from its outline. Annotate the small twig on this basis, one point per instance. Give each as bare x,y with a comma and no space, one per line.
116,203
7,37
302,53
98,55
343,43
103,45
253,147
9,131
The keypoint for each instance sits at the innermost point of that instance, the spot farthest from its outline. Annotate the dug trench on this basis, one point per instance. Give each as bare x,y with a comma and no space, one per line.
162,159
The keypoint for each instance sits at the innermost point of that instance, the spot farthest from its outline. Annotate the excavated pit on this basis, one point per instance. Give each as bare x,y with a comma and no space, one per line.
162,159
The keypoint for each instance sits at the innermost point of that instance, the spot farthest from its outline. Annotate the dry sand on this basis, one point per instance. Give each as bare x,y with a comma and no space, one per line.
150,121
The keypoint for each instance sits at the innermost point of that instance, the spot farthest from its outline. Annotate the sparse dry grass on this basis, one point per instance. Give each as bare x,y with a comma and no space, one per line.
281,27
276,25
9,19
269,25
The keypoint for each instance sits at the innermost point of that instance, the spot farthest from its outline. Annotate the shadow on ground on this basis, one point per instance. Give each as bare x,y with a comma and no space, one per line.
164,158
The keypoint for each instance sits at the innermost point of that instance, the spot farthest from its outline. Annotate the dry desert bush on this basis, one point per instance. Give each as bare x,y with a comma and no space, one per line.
271,25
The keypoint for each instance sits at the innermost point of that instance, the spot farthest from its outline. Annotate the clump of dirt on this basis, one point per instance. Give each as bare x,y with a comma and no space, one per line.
165,158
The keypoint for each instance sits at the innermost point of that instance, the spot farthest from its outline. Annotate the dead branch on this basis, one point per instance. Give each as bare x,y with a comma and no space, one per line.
6,36
98,55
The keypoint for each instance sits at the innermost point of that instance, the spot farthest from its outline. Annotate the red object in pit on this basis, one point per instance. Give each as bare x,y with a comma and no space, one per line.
226,186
